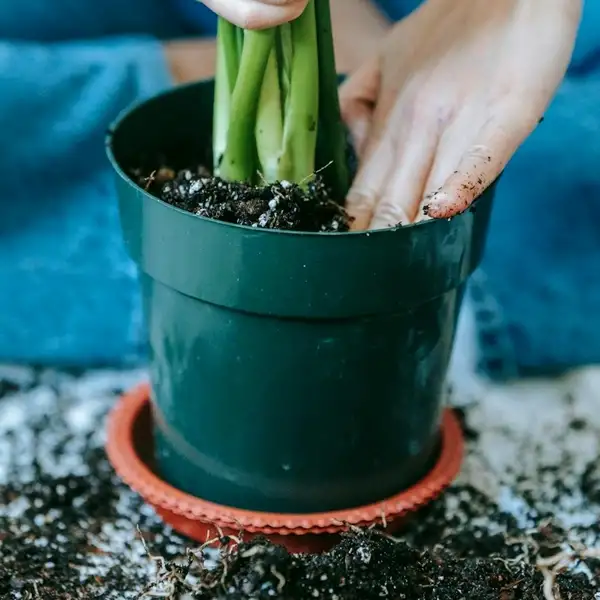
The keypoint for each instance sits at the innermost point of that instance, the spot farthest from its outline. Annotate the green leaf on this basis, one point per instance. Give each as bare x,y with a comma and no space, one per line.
302,111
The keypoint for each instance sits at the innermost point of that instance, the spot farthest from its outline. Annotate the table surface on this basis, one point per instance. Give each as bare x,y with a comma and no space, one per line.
70,529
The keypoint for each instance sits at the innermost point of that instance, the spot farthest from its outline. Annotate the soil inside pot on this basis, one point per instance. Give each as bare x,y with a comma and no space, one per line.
281,205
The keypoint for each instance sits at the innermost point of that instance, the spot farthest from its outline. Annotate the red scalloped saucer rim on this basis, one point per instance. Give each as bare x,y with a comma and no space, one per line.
136,474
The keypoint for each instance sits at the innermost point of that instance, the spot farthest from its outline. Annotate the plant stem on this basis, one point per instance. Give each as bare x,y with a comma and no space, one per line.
276,103
239,158
285,54
228,63
302,111
332,132
269,122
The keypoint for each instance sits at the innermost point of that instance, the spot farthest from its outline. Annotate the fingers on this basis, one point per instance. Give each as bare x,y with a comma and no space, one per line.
396,143
480,165
473,174
402,196
373,174
257,14
448,156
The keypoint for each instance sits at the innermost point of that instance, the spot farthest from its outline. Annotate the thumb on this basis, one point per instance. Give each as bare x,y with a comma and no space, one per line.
358,97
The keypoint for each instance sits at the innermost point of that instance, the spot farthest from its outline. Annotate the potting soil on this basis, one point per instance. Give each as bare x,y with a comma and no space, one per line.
282,205
521,522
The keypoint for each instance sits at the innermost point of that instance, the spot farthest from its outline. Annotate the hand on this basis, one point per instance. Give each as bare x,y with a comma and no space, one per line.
191,60
257,14
450,96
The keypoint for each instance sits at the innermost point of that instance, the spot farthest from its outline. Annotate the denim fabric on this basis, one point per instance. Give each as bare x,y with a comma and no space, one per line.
539,285
68,292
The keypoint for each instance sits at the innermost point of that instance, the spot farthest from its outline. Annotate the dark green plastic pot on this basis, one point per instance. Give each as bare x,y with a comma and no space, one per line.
291,372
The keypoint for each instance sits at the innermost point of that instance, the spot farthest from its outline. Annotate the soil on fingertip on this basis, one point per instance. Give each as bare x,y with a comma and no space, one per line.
281,205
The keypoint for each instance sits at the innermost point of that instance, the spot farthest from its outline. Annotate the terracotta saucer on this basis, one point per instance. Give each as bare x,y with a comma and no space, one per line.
130,450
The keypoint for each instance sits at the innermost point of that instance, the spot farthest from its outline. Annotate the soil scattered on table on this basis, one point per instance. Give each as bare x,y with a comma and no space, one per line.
70,530
590,482
281,205
368,565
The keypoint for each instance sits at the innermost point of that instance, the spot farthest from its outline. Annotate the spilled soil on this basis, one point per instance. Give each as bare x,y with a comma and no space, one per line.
368,565
281,205
70,530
